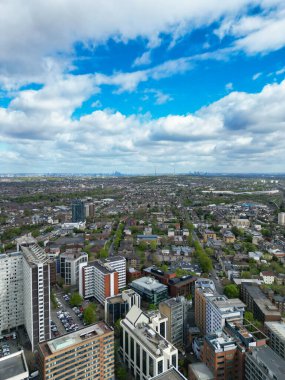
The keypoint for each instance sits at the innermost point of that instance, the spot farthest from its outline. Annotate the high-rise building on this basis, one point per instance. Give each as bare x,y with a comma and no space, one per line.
281,218
78,211
25,291
204,288
176,311
145,352
98,280
85,354
36,281
118,263
263,363
69,266
11,291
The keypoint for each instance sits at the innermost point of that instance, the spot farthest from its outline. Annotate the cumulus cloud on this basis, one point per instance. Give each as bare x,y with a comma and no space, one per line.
241,130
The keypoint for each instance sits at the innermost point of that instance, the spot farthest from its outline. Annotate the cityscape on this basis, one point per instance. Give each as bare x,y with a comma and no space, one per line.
142,190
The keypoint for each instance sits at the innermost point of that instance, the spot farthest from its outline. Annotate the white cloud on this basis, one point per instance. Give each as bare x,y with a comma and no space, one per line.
256,76
229,86
144,59
240,132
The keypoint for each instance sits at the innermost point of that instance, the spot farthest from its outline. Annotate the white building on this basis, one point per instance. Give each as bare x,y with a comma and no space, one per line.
98,280
267,277
119,264
11,291
145,352
219,309
69,266
14,367
281,218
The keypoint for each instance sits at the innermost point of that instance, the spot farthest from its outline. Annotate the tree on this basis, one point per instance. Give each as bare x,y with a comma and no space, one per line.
152,306
89,314
153,245
122,373
75,299
231,291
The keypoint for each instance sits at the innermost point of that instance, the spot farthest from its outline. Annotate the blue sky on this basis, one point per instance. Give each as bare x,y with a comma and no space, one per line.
99,86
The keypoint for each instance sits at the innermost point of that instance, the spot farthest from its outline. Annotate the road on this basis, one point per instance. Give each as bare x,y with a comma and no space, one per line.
215,278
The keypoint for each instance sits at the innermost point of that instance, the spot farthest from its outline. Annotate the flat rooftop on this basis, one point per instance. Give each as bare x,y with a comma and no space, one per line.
267,358
171,374
201,371
277,328
55,345
149,283
13,365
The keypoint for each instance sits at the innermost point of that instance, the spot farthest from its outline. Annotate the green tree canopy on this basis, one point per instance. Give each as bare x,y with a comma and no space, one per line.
89,314
231,291
75,299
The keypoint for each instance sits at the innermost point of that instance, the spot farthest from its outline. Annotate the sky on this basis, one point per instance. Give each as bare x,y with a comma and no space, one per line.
142,86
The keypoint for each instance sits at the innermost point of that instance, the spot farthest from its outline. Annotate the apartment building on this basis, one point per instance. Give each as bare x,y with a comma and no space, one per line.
69,266
85,354
144,351
257,302
204,289
276,334
11,291
263,363
118,263
219,309
176,311
98,280
36,291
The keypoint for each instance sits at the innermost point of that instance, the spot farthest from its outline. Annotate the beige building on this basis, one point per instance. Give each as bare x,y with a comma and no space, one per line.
85,354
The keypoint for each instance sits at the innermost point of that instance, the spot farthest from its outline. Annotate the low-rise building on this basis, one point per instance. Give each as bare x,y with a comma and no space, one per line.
199,371
14,367
267,277
150,289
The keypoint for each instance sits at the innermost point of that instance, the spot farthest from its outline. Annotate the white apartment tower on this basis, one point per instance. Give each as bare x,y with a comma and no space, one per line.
119,264
11,291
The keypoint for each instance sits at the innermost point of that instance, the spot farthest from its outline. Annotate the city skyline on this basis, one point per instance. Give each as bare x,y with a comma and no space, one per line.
142,87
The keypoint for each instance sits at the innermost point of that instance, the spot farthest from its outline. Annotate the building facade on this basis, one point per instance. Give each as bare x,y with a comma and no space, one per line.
118,263
11,291
70,264
276,334
150,290
78,211
98,280
144,351
85,354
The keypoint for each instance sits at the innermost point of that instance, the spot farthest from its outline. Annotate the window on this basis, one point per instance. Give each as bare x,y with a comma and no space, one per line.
144,362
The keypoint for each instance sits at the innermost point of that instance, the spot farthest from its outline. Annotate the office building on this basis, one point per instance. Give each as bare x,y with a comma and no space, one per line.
118,263
36,286
85,354
78,211
276,334
144,351
69,266
14,367
257,302
150,289
176,311
11,291
263,363
89,210
118,306
281,218
98,280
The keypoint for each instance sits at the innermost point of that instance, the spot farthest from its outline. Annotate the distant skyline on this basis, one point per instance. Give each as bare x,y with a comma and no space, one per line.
135,86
